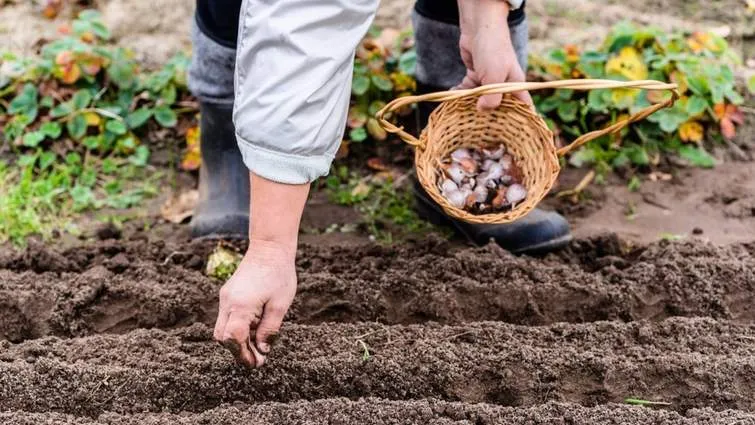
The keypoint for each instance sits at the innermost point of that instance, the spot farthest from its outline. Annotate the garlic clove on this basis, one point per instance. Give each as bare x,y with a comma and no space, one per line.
496,154
507,179
481,194
516,193
456,198
506,162
469,165
456,173
461,153
487,164
448,185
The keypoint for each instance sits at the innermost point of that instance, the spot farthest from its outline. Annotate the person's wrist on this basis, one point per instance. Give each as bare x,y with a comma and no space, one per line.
269,249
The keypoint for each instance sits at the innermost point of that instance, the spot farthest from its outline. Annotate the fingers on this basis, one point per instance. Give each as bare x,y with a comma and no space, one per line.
235,336
489,102
267,331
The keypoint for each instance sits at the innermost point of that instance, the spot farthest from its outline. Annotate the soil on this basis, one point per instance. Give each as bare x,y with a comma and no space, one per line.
107,331
116,328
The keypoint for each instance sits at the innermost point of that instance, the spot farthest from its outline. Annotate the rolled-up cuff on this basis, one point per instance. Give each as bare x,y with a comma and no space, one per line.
282,167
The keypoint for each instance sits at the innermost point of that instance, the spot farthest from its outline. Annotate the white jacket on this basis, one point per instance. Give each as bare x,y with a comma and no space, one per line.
294,64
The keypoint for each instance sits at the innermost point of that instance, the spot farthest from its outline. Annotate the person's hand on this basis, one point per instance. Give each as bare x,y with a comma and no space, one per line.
254,301
487,51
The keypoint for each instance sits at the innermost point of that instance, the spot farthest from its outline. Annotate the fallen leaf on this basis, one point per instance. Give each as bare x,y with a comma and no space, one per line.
178,208
729,116
64,58
691,131
343,149
377,164
362,189
93,119
572,53
52,8
71,73
192,158
376,131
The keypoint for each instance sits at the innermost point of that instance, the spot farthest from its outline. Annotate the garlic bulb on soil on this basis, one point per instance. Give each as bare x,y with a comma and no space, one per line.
482,181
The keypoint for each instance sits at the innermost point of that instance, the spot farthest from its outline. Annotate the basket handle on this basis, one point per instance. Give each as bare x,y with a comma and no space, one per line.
503,88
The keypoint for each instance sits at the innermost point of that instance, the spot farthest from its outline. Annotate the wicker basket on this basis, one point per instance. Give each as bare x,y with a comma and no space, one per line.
457,123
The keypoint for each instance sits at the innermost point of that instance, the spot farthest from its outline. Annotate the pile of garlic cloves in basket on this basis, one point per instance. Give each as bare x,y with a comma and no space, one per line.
482,181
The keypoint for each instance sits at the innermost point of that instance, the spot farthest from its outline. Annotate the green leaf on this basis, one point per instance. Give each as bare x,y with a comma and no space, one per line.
138,118
360,85
638,155
61,110
599,100
733,96
165,116
92,142
127,144
73,158
109,166
81,27
46,159
382,82
696,105
751,84
582,157
122,70
549,104
77,126
88,177
25,102
82,196
81,99
568,111
33,139
168,95
374,107
47,102
51,129
140,156
89,15
697,156
407,63
26,160
116,127
100,30
358,134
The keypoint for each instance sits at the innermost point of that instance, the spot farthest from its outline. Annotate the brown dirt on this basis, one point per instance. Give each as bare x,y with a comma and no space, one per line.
344,411
686,362
122,286
669,322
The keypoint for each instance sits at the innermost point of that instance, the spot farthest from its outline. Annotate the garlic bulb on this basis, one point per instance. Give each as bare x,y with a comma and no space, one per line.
456,173
448,186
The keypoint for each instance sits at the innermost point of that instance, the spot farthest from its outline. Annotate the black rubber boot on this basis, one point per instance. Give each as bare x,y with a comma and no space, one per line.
223,210
536,233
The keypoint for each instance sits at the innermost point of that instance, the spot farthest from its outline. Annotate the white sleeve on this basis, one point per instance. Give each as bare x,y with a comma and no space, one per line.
294,65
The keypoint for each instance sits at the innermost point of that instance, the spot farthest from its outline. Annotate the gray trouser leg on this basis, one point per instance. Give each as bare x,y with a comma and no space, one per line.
439,61
211,69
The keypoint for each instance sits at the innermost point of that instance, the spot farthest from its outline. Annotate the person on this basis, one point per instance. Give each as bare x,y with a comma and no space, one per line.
273,80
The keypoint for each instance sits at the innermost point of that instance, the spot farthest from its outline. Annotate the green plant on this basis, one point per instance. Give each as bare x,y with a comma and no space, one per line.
384,68
386,205
699,63
75,117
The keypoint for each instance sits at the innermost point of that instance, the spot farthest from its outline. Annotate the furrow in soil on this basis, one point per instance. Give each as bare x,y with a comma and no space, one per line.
377,411
686,362
144,285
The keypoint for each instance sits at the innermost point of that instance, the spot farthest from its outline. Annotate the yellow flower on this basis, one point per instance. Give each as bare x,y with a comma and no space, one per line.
624,98
691,131
629,64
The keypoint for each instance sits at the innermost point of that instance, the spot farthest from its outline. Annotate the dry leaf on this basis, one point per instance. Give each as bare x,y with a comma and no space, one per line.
343,150
179,208
377,164
729,116
691,131
192,159
52,8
